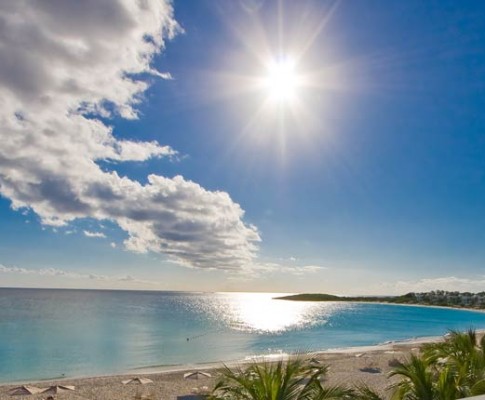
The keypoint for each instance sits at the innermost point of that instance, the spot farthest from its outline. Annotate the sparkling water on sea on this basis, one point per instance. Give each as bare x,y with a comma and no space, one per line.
51,333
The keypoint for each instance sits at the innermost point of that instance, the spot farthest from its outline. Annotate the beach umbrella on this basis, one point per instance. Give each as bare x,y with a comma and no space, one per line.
141,381
196,375
55,389
25,390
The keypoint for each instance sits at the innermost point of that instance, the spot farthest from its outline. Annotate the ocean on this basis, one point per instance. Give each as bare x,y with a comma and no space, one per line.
47,333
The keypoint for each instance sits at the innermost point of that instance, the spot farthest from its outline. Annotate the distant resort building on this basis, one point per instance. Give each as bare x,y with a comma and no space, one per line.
446,298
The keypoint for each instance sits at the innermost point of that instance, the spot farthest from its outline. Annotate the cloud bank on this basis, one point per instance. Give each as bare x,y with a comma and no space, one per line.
450,283
55,272
64,64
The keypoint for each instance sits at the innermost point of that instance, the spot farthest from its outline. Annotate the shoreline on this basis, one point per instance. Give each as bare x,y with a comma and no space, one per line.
170,369
347,366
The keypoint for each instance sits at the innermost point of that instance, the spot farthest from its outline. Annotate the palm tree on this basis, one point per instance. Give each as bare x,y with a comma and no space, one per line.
448,370
417,380
464,356
364,392
457,347
295,379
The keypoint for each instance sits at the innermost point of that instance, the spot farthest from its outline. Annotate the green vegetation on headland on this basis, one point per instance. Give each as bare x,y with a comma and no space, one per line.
435,298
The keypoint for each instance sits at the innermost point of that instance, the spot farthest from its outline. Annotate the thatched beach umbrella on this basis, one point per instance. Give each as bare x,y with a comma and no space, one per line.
25,390
55,389
141,381
196,375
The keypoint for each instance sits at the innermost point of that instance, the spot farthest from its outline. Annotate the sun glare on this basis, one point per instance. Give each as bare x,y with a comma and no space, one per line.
282,80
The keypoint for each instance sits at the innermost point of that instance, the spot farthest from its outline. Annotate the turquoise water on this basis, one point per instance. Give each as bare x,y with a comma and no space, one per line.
47,333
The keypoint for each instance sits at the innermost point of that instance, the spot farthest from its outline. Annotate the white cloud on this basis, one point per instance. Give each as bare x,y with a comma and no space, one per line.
15,270
312,268
303,269
451,283
41,272
94,234
126,278
113,245
63,63
259,270
54,272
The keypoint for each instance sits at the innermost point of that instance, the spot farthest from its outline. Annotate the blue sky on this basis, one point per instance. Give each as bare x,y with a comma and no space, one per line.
149,148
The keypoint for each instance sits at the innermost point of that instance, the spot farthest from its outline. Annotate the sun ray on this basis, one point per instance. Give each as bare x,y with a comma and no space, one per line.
276,78
303,47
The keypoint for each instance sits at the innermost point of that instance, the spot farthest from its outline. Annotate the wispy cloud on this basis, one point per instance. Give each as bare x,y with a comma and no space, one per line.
257,271
65,64
451,283
297,270
72,274
49,272
94,234
126,278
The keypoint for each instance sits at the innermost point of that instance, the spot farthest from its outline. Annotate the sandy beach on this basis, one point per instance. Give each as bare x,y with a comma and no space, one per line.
369,365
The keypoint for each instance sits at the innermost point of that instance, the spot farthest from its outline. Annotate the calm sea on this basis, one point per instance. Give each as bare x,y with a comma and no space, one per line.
51,333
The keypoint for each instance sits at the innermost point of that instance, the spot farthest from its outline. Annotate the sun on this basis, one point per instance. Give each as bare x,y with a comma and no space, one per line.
282,80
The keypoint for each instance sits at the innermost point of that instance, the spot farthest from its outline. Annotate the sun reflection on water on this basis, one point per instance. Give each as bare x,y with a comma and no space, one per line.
261,312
